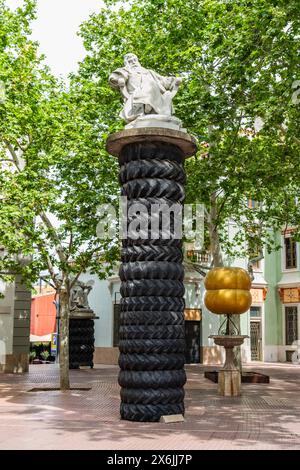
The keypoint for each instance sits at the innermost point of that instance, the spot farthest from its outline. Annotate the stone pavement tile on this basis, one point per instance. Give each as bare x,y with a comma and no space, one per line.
266,416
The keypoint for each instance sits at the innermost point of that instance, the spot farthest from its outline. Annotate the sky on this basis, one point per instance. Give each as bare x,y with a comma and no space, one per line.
55,30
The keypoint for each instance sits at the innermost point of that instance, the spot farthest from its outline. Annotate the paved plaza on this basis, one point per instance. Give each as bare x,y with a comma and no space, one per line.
266,416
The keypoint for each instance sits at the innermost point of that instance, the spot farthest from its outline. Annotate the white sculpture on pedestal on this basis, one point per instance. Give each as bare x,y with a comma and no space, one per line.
147,95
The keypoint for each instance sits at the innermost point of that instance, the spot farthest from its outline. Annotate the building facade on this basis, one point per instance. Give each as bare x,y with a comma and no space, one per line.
272,323
282,273
14,326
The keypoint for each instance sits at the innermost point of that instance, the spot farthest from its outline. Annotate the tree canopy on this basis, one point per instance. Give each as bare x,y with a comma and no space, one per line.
54,169
239,61
54,173
240,98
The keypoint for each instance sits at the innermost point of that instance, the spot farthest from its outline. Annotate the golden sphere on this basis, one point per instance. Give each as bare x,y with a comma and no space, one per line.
227,278
227,291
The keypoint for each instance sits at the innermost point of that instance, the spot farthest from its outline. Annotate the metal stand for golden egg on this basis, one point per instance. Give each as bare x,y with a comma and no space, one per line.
229,379
228,292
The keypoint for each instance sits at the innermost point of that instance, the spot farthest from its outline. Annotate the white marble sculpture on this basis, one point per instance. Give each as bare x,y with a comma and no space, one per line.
147,95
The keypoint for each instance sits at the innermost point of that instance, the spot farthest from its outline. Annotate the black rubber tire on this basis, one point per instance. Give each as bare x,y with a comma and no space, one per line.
148,202
147,303
164,238
152,169
151,253
160,220
81,325
152,346
171,242
81,348
74,341
151,361
149,413
151,270
152,379
139,236
163,332
150,396
81,342
152,318
82,322
154,150
154,187
89,331
152,332
152,287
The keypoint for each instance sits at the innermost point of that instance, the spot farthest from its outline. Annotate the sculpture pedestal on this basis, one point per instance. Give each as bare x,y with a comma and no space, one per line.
229,382
152,334
81,338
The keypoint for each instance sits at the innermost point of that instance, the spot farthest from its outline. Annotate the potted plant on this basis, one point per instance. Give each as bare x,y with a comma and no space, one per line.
45,354
32,356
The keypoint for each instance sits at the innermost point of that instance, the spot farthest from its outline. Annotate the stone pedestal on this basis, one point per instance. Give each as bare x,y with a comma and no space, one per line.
81,338
152,336
229,384
229,381
15,363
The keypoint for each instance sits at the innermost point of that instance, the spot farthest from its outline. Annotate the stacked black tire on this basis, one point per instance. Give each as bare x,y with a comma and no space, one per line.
152,340
81,342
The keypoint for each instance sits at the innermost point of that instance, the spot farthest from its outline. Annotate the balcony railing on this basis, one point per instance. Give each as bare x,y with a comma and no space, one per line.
197,256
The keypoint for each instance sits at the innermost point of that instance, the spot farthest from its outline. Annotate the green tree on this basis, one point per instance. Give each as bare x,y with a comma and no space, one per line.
54,174
239,60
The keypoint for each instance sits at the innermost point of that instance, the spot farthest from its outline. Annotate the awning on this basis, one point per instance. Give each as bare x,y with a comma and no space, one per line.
40,339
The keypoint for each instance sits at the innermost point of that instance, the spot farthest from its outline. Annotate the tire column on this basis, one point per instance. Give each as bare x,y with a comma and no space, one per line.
152,334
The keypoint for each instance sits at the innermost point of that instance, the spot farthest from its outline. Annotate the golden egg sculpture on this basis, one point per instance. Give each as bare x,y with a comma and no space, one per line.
227,291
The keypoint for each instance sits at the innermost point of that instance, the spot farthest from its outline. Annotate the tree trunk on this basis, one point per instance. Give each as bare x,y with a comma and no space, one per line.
218,262
64,340
214,234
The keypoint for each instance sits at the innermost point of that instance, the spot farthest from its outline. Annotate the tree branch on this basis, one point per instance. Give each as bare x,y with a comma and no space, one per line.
233,142
284,131
49,283
44,252
83,266
58,246
13,154
70,244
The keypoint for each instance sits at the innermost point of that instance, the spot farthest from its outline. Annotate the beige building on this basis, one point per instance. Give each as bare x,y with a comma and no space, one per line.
15,303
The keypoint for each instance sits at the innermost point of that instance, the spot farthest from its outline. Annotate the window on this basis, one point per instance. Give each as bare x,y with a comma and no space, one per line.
291,324
290,249
256,265
255,312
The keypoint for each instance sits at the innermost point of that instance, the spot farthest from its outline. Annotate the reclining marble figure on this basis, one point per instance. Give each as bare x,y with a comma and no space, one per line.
145,92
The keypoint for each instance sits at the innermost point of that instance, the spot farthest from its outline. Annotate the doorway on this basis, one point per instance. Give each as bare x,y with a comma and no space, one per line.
192,342
255,333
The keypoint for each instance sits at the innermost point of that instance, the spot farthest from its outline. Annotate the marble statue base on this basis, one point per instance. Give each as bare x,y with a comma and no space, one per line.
82,313
149,135
156,120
